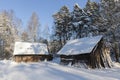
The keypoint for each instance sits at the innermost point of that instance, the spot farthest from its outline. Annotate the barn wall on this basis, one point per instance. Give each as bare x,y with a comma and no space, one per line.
31,58
100,56
75,59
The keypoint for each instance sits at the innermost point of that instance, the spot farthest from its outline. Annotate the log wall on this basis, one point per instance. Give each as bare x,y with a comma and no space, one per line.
32,58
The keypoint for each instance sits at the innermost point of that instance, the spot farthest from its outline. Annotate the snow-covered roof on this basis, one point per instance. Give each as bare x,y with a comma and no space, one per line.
80,46
26,48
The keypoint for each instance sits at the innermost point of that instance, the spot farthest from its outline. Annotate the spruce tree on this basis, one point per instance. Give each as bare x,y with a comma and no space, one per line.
81,22
62,25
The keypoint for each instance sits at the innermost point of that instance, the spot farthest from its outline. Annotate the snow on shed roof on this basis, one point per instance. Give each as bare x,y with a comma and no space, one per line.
80,46
26,48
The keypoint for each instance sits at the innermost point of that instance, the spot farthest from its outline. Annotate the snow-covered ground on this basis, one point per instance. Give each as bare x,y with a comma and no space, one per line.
51,71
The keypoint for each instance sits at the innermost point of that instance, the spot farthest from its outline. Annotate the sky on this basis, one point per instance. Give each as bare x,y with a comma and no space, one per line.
44,8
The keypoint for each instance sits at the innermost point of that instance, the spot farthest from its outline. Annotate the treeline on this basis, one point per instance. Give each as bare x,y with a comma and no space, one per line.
12,30
9,24
101,18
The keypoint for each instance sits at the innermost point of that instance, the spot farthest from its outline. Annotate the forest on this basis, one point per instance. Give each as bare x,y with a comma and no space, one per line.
96,18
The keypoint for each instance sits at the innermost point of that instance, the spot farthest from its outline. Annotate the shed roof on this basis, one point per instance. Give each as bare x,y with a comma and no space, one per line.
26,48
80,46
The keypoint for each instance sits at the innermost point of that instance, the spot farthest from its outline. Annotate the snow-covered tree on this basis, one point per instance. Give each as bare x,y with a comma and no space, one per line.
106,19
24,36
81,22
62,25
93,10
33,27
8,33
46,32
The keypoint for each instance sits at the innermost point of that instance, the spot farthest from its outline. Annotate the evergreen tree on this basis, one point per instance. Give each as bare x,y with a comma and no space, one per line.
93,11
105,16
110,11
62,22
81,22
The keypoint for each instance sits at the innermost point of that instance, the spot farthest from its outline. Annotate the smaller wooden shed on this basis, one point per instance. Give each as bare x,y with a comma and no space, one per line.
86,52
30,52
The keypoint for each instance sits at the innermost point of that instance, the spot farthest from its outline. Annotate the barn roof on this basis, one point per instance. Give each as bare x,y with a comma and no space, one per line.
26,48
80,46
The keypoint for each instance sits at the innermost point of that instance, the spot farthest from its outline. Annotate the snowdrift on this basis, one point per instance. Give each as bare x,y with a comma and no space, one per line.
51,71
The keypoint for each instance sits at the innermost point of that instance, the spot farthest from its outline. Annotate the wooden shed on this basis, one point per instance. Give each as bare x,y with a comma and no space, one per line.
30,52
89,52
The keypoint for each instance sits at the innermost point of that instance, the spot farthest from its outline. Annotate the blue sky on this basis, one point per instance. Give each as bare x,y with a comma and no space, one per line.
44,8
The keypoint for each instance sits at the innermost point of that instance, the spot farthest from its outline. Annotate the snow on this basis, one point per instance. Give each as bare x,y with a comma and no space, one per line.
76,4
116,64
51,71
29,48
76,24
116,0
80,46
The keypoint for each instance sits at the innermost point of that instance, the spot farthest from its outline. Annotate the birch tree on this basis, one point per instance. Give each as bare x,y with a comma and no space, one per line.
33,27
8,32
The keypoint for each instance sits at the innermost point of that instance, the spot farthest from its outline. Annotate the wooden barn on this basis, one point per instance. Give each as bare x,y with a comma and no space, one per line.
30,52
88,52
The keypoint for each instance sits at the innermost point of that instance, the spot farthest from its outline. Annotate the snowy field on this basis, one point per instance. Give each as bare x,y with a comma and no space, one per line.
51,71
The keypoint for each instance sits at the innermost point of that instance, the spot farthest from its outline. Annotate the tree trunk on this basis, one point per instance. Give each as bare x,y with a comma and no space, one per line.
116,48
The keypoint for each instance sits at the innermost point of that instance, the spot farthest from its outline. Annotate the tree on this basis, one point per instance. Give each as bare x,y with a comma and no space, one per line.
62,22
33,27
24,36
110,12
9,33
81,22
105,17
46,32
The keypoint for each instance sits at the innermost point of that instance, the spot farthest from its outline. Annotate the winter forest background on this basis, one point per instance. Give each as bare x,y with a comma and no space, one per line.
96,18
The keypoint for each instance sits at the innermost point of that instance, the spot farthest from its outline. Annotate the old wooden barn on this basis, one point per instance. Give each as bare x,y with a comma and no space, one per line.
30,52
89,52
